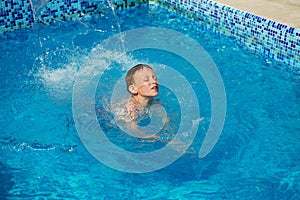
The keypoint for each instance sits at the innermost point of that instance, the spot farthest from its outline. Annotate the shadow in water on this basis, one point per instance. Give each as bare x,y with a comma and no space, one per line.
5,180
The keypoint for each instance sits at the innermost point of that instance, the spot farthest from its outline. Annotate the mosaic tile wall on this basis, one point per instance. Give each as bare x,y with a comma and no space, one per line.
15,14
67,9
275,40
127,4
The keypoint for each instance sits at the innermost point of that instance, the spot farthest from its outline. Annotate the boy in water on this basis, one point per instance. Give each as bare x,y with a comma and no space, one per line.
142,84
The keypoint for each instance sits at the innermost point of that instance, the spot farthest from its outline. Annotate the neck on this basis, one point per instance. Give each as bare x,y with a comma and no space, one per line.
141,100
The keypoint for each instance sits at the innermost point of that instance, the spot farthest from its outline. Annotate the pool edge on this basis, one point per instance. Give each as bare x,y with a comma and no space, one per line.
277,41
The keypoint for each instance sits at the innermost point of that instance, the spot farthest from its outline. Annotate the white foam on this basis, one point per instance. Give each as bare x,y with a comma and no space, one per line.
58,82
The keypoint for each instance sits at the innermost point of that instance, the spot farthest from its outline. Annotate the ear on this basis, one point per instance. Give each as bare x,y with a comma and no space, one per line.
132,89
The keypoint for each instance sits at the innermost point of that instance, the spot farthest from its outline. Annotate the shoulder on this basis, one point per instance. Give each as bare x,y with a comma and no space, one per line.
131,105
132,108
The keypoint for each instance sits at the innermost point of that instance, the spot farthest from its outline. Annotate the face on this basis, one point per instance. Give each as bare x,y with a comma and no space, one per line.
145,83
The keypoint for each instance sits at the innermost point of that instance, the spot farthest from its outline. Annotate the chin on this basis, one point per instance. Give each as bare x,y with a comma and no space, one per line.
152,95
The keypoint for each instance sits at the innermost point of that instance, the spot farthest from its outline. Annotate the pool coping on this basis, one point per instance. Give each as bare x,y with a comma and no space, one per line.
285,12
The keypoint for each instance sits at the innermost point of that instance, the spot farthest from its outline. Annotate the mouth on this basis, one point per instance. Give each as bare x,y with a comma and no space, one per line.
155,88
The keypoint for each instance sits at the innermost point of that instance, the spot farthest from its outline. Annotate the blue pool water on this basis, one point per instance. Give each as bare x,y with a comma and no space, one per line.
256,157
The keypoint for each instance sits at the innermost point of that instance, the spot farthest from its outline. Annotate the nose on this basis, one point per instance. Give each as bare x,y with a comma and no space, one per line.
154,80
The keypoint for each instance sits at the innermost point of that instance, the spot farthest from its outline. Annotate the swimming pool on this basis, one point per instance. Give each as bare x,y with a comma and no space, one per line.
42,156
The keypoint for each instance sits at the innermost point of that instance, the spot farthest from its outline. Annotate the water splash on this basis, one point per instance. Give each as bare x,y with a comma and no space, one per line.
37,6
12,144
59,67
58,82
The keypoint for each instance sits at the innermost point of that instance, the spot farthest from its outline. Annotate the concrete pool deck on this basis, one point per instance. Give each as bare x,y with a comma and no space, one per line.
283,11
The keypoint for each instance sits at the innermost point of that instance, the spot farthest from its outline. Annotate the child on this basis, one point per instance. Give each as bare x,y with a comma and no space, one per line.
142,84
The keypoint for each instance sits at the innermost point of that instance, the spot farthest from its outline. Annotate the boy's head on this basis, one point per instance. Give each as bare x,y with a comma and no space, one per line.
141,80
